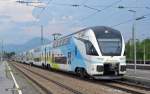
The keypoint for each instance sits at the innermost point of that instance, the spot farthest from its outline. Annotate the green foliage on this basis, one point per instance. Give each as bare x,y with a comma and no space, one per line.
140,45
8,55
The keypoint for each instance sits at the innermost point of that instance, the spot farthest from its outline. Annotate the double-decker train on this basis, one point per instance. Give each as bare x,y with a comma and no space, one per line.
95,51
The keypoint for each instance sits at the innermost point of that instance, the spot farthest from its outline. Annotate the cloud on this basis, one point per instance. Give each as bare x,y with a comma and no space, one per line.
61,28
17,12
12,16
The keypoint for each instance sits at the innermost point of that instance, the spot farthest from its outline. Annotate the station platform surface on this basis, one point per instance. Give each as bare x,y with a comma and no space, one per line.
141,76
5,81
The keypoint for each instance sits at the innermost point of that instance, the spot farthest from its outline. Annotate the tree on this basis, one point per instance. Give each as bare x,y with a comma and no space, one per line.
8,55
140,49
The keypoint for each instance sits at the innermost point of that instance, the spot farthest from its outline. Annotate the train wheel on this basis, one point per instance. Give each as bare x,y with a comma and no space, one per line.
77,72
48,67
31,64
43,66
81,72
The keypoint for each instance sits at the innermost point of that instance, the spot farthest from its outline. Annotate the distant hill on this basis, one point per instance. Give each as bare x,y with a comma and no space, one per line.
35,42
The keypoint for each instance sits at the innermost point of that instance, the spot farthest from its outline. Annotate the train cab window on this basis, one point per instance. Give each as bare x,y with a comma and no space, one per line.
90,49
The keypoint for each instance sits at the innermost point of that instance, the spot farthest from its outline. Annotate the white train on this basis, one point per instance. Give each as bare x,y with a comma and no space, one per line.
95,51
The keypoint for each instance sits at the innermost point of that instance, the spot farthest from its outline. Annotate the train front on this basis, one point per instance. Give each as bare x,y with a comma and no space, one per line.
105,53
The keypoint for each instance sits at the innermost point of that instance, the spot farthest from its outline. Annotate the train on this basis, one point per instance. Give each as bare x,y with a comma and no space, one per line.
96,52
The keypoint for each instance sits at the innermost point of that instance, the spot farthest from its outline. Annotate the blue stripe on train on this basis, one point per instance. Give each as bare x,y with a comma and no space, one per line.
76,60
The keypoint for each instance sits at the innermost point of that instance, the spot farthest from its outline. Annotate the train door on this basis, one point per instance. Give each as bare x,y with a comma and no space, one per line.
45,57
69,61
69,57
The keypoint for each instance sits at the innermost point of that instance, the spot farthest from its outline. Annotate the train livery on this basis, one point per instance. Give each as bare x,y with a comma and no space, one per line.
95,51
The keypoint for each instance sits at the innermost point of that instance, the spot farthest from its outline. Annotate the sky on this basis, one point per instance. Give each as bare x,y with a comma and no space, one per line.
21,22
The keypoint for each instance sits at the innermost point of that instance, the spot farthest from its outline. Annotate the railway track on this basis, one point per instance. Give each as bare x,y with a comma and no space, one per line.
133,89
121,87
21,68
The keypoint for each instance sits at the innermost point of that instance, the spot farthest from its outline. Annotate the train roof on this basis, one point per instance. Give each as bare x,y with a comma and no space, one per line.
106,32
99,29
96,29
103,28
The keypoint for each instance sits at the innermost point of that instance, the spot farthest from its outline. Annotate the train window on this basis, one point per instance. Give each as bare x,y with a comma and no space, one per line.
62,42
75,50
60,60
110,46
49,53
68,40
59,43
36,59
90,49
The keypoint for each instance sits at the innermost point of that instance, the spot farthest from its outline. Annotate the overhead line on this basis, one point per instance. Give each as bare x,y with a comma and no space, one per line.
122,23
127,21
100,10
112,4
38,16
92,8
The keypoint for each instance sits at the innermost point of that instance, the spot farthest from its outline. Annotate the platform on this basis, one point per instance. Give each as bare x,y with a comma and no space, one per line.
141,76
5,82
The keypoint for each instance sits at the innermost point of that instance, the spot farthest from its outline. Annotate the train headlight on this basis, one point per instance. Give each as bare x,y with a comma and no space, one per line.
122,58
100,68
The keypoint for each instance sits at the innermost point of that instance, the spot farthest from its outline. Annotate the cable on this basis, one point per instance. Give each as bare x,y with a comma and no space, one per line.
91,8
138,18
38,16
102,9
146,7
84,18
87,6
43,9
122,23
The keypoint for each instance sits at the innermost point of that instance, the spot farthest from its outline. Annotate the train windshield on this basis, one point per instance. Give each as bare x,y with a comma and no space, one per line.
110,47
109,41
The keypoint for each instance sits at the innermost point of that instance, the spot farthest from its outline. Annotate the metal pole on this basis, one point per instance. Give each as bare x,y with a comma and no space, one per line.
41,35
134,37
41,42
2,52
144,52
134,40
130,41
